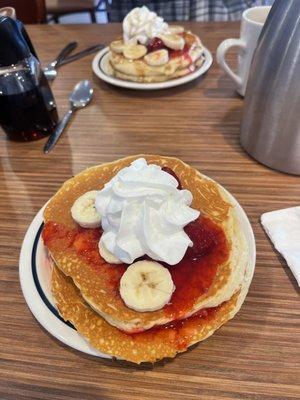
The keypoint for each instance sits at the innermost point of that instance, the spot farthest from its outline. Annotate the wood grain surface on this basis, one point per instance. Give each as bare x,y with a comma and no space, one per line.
256,355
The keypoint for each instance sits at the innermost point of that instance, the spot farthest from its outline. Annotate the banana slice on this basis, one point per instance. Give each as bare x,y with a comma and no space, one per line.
172,41
107,255
134,51
176,29
117,46
84,212
157,58
146,286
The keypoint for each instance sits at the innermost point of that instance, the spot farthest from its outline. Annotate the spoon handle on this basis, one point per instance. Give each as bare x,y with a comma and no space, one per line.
65,52
80,54
57,133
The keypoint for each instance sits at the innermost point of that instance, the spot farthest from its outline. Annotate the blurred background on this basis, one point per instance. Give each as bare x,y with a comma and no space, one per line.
104,11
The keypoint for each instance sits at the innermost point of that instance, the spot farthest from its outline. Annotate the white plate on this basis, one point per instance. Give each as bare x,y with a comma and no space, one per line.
103,70
35,276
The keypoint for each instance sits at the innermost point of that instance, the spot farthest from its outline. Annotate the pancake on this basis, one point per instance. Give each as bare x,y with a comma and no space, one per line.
180,63
160,78
148,346
98,282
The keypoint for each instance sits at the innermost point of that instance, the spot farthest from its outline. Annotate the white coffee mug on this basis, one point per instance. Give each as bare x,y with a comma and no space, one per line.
253,20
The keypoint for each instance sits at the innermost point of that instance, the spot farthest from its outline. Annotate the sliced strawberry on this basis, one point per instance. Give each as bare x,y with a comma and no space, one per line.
203,240
155,44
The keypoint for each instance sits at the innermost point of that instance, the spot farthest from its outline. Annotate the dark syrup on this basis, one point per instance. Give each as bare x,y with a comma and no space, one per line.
29,115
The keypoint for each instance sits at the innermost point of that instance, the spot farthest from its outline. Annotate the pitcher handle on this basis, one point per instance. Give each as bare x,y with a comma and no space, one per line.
221,57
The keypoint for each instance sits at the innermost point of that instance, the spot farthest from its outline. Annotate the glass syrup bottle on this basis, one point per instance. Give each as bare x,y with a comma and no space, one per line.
27,106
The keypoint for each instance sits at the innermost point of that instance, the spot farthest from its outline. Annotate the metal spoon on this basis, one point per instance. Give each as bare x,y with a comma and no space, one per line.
50,70
79,98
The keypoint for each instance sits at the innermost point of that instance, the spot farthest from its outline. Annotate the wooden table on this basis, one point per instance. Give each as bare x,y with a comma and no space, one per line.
256,355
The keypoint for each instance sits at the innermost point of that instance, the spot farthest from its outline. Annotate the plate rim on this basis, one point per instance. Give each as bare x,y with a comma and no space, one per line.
150,86
60,329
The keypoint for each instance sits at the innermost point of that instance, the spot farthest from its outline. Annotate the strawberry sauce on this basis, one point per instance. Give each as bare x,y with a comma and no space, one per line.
157,44
195,273
179,333
171,172
184,53
192,276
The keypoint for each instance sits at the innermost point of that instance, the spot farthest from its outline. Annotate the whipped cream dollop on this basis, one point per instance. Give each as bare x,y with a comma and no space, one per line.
141,25
143,213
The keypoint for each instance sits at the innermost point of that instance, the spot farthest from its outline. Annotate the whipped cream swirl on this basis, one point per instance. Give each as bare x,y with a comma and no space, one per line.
141,25
143,213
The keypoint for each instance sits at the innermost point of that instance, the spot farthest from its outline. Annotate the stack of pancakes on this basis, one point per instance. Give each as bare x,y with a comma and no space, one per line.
85,287
178,64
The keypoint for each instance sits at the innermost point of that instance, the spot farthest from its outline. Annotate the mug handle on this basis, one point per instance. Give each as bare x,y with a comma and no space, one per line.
221,54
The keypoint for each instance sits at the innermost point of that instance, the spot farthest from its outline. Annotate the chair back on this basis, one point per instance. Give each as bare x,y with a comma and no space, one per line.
28,11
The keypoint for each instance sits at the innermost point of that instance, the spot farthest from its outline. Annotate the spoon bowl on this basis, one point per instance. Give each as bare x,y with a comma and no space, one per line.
81,95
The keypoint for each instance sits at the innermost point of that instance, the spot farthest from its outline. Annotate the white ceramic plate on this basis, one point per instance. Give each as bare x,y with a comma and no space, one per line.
35,278
103,70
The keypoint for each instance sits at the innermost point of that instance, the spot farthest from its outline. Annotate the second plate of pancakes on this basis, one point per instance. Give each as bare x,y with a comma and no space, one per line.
103,70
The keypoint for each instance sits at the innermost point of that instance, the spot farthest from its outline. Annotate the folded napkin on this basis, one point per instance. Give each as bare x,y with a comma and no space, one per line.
283,228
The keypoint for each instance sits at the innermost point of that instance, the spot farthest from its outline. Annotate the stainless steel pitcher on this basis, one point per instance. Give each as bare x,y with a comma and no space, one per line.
270,130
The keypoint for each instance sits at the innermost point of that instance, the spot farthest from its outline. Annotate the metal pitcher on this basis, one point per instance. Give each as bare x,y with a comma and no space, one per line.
270,130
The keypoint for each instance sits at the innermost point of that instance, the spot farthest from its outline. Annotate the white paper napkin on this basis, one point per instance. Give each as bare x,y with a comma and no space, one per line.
283,228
